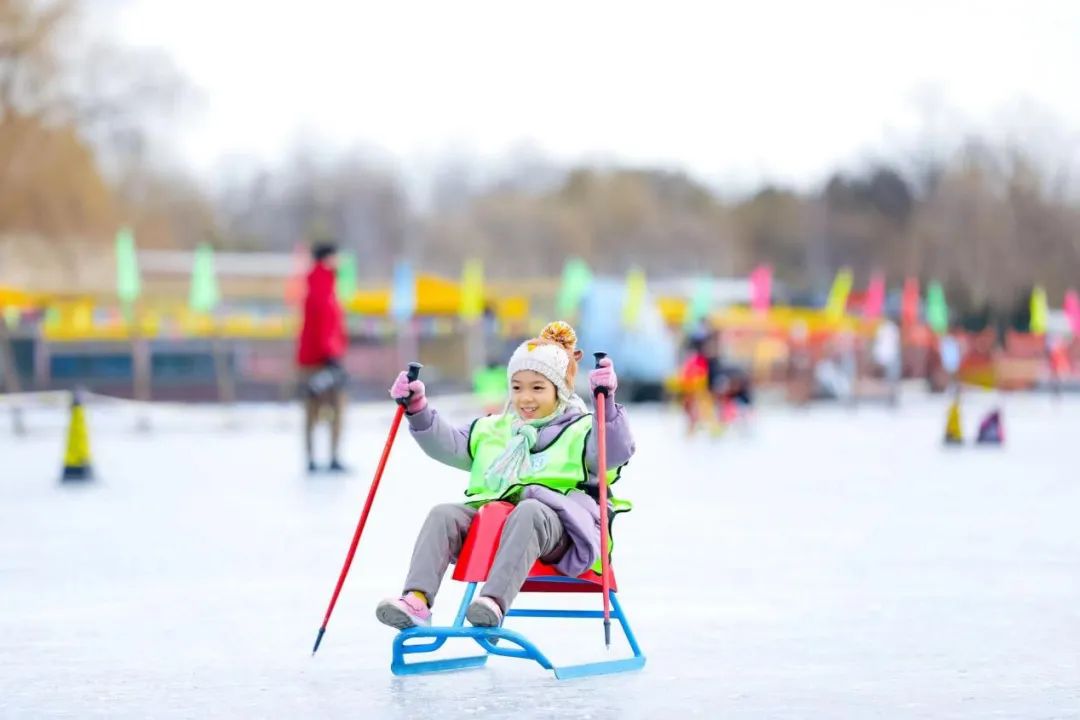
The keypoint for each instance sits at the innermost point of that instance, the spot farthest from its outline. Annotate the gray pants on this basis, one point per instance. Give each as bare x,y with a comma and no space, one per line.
532,531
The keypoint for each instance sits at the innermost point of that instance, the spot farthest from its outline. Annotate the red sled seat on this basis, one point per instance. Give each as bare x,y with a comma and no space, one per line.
482,542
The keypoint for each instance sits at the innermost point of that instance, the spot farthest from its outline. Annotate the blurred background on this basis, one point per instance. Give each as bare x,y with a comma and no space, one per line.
807,233
165,170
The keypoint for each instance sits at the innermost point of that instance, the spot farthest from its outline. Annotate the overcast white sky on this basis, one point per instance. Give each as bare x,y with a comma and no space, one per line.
732,91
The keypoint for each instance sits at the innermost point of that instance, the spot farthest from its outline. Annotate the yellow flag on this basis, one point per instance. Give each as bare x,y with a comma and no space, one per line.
1039,311
634,300
472,289
838,295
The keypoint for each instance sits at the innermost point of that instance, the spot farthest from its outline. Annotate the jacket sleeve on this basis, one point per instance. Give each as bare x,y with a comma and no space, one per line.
620,443
440,440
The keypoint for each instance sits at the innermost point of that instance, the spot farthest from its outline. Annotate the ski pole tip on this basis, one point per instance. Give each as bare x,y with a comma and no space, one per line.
318,640
607,634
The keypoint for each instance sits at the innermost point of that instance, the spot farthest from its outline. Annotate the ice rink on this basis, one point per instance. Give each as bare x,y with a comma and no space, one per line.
831,562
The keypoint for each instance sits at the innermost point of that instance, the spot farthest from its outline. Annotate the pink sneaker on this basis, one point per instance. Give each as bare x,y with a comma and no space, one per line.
484,612
404,612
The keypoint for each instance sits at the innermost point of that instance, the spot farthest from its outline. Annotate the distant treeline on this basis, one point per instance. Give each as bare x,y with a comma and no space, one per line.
987,221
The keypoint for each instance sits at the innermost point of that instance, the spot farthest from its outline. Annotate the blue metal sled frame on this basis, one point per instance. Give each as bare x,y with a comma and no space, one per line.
486,638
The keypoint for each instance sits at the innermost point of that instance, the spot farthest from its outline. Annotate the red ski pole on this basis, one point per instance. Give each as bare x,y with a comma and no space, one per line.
414,373
600,400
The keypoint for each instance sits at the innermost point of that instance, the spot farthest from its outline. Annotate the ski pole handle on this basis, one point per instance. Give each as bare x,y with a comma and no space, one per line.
412,374
600,390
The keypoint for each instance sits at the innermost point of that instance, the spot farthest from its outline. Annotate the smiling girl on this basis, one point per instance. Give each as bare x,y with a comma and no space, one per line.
540,454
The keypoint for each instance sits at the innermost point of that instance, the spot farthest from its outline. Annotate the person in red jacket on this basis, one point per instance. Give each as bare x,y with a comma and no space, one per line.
320,353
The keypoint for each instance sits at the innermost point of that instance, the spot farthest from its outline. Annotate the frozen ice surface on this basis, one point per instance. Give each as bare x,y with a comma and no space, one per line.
831,563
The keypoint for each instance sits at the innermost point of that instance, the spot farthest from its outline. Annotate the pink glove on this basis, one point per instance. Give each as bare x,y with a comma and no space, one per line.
604,376
402,389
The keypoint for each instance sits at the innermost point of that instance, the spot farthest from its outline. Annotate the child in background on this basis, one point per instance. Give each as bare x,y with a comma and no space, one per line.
694,379
539,453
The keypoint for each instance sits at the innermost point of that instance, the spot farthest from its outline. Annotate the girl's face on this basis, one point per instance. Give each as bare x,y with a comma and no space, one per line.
532,395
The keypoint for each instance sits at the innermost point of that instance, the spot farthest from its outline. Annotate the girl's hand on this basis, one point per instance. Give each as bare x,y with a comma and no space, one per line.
604,376
414,391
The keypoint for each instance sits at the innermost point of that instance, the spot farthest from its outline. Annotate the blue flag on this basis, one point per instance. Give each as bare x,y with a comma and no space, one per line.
403,292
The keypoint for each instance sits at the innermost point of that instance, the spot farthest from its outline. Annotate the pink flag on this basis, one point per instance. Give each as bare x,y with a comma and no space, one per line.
295,286
761,288
909,304
1072,311
875,297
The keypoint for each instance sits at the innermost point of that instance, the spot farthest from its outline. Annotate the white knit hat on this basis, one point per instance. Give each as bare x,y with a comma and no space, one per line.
554,355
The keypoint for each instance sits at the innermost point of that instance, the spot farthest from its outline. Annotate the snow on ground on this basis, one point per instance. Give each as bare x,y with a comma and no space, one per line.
832,562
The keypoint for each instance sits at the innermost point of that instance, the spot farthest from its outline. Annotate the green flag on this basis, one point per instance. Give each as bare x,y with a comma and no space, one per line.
937,310
472,289
701,302
204,295
346,276
634,300
576,279
128,286
1039,311
836,305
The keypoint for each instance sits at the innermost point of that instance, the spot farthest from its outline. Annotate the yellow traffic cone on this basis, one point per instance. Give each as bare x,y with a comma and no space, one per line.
954,433
77,455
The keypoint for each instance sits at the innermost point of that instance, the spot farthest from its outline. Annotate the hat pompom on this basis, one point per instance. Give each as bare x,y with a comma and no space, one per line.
560,332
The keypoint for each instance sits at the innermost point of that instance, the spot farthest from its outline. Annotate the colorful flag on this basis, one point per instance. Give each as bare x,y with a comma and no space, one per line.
1072,311
576,280
836,305
875,297
128,285
203,296
345,279
937,310
1039,311
761,288
701,302
403,292
909,303
296,286
634,297
472,289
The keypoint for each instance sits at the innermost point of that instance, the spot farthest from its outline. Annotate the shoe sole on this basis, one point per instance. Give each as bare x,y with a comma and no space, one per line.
482,616
395,617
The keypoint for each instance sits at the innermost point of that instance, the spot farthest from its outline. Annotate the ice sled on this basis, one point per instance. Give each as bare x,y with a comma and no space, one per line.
473,565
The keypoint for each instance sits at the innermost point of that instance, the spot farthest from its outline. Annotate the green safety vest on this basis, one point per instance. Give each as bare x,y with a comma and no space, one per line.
560,466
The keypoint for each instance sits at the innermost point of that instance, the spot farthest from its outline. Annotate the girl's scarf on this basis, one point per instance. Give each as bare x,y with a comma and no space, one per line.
514,461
